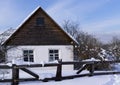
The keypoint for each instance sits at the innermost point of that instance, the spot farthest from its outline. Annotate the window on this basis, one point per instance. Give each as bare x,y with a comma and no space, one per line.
40,21
28,55
53,55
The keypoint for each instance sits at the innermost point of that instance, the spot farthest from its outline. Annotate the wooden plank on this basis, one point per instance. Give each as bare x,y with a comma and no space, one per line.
38,65
30,72
28,79
29,66
81,69
5,67
6,80
76,62
50,64
106,73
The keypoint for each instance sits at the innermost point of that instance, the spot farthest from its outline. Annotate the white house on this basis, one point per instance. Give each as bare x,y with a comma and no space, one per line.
40,38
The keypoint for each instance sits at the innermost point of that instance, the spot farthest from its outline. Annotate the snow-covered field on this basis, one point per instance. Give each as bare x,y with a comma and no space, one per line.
96,80
93,80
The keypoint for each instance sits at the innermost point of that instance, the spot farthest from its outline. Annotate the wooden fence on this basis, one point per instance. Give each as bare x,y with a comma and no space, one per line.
16,79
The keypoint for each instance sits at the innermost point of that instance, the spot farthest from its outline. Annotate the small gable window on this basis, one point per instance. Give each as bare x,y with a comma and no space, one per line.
40,21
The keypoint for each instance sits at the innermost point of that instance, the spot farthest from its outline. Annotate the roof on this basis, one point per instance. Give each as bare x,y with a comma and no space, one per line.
25,20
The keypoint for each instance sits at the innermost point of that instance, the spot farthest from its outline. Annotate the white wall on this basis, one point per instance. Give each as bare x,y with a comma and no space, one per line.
41,53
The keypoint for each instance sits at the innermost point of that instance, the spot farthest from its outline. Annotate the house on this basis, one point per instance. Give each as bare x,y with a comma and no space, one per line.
40,38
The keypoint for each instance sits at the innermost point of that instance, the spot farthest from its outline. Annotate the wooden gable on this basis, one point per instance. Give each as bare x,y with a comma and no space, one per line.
30,33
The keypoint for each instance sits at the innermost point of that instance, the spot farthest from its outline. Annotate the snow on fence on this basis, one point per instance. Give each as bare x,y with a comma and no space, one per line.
58,77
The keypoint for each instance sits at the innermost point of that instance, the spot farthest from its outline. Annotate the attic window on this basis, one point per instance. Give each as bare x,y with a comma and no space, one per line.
40,21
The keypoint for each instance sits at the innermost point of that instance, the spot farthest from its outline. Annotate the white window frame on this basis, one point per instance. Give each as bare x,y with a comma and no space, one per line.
28,55
54,55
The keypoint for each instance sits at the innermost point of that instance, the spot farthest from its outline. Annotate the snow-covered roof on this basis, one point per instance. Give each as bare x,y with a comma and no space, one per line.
49,17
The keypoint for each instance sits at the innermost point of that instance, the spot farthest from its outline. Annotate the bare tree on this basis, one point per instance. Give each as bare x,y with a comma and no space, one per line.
71,27
3,49
89,46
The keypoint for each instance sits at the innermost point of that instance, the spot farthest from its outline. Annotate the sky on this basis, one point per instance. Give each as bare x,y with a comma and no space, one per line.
98,17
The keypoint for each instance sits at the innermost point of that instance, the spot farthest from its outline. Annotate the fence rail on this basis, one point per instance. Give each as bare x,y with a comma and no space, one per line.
15,71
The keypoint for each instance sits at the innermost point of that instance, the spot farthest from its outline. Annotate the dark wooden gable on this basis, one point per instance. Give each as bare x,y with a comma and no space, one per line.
47,33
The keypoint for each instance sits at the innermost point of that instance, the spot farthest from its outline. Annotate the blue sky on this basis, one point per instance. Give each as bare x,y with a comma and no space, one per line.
94,16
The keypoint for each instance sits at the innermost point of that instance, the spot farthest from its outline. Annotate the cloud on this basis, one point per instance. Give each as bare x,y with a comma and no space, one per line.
87,6
107,37
60,10
100,26
73,9
58,6
79,10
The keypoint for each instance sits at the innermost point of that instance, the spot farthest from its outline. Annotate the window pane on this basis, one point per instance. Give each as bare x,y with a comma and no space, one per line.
51,58
51,55
56,58
30,55
25,59
31,60
30,51
40,21
50,51
25,55
56,55
25,51
55,51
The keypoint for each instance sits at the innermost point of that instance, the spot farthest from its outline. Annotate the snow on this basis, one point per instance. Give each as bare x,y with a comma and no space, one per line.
94,80
101,80
97,80
106,55
113,79
91,59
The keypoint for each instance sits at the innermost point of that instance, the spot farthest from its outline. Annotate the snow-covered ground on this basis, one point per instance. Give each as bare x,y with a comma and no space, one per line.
93,80
97,80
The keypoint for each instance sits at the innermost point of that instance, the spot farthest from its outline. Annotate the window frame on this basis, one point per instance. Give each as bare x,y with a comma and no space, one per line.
40,21
53,55
29,56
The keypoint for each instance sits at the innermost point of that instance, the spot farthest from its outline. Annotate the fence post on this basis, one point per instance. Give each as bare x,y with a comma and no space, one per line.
15,75
59,71
91,70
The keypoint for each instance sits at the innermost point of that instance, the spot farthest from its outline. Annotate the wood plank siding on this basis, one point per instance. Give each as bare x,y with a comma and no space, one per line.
29,33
